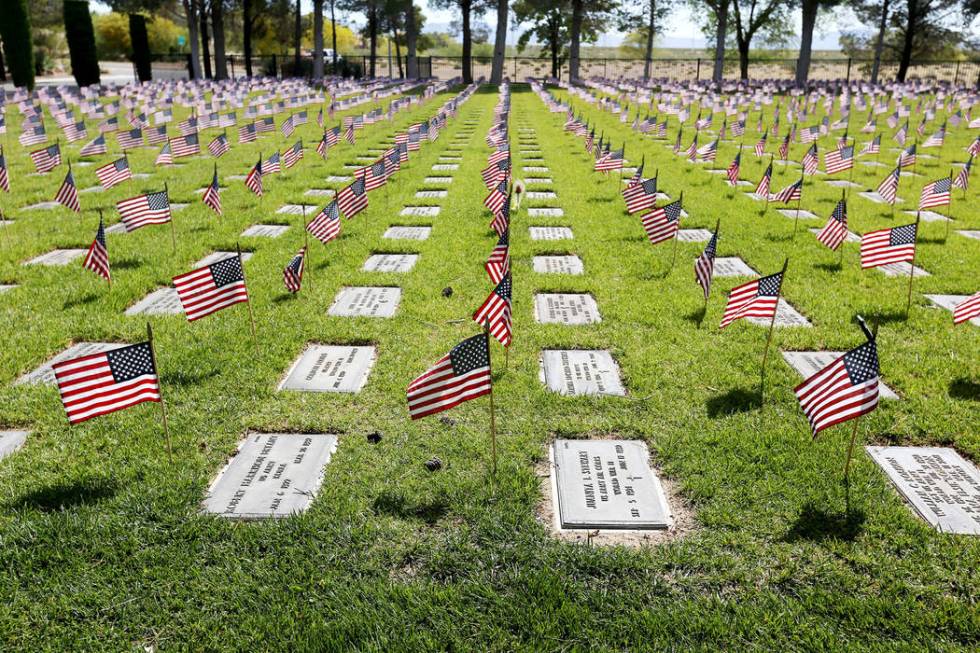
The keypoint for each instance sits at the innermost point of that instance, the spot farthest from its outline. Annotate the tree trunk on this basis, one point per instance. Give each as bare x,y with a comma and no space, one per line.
806,41
555,45
411,59
721,33
190,10
218,31
398,53
879,42
3,70
499,44
247,35
373,31
205,44
648,58
465,8
297,40
317,41
743,59
577,11
333,34
910,26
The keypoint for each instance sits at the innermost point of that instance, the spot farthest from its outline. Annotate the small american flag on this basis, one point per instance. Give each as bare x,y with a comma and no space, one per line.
287,127
762,190
272,164
4,177
610,161
758,298
638,173
495,173
349,133
834,232
185,146
937,139
212,194
936,193
461,375
75,131
219,146
791,193
873,146
495,200
839,160
640,196
94,147
907,157
974,148
292,274
247,133
293,154
326,225
47,159
97,258
143,210
212,288
114,173
164,158
704,265
68,193
886,246
501,219
662,223
373,176
844,390
33,136
760,147
733,169
98,384
353,199
888,188
498,263
156,135
495,313
784,148
967,309
130,139
811,160
253,180
963,176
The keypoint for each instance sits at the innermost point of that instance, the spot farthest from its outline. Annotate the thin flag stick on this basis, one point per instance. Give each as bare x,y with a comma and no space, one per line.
673,257
173,230
109,277
772,327
251,316
850,448
799,201
306,242
163,405
493,422
908,306
949,206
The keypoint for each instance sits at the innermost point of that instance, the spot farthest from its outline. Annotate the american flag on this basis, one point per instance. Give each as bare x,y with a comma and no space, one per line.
94,147
637,174
495,200
888,188
4,177
692,149
47,159
272,164
287,128
374,176
708,152
873,146
758,298
640,196
130,139
839,160
662,223
967,309
164,158
212,288
247,133
501,219
974,148
811,160
834,232
936,193
886,246
293,154
495,313
937,139
495,173
265,125
498,263
461,375
143,210
349,133
68,193
844,390
114,173
733,168
212,194
156,135
810,134
704,265
33,136
610,161
185,146
188,126
963,176
907,157
292,274
738,128
253,180
219,146
332,136
791,193
322,147
352,199
319,117
326,225
97,258
98,384
762,190
75,132
784,148
902,134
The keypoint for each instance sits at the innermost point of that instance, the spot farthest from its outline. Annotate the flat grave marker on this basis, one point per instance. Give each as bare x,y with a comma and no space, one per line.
57,257
733,266
538,181
808,363
566,308
445,166
878,199
266,230
693,235
11,441
214,257
42,206
366,301
45,375
842,183
581,372
567,264
550,233
545,212
320,192
792,213
390,262
421,211
850,238
536,169
398,232
901,269
431,194
272,475
928,216
950,301
969,233
162,301
6,287
330,368
296,209
438,180
339,179
541,195
786,316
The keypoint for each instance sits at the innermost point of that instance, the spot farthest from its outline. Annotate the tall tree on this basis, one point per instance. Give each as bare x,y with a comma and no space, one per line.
754,17
81,42
333,32
548,23
411,40
15,30
643,16
810,10
467,9
879,42
297,39
140,42
248,25
218,33
205,39
371,10
586,23
317,41
499,43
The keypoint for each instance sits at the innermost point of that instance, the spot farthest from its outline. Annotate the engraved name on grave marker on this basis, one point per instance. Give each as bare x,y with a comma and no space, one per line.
808,363
558,265
45,375
162,301
581,372
390,262
565,308
330,368
424,211
550,233
366,301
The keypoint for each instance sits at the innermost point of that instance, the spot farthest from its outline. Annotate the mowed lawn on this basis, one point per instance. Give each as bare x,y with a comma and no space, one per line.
103,545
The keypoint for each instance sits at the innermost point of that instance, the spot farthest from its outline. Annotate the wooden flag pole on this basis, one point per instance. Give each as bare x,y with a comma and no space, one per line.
772,327
109,279
173,230
799,201
493,422
916,156
163,406
908,306
840,261
872,335
673,257
306,243
949,206
251,316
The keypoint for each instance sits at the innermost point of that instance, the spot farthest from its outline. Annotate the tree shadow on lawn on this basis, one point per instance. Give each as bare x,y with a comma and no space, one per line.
964,389
68,494
817,524
697,317
395,504
736,400
829,267
185,378
80,301
126,264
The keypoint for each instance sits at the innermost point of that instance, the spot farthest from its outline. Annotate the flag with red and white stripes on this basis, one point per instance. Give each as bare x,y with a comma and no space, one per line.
758,298
326,225
212,194
888,188
498,263
95,146
642,195
292,274
46,159
114,173
967,309
963,176
834,233
885,246
936,193
662,223
461,375
219,146
293,154
253,180
212,288
97,257
143,210
704,265
68,193
495,313
844,390
733,169
839,160
4,176
353,199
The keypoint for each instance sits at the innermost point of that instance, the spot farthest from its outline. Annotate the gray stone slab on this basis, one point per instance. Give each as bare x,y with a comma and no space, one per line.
437,180
390,262
45,375
694,235
272,475
607,484
842,183
732,266
786,316
11,441
536,169
792,214
296,209
320,192
540,195
266,230
901,269
873,164
755,197
6,287
566,308
850,238
42,206
545,212
431,194
551,233
366,301
539,181
878,199
420,211
214,257
235,178
330,368
558,265
969,233
929,216
92,189
339,179
118,228
808,363
581,372
949,302
162,301
57,257
439,167
941,485
450,159
399,232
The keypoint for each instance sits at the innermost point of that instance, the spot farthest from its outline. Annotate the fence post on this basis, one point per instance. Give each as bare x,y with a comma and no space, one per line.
848,70
697,75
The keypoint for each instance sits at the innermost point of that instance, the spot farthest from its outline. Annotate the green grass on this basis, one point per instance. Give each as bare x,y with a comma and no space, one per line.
103,547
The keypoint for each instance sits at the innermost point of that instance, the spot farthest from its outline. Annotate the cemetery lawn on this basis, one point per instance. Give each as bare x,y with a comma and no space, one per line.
103,545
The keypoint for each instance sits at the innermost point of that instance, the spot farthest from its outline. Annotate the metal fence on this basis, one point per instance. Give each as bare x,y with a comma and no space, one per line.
519,68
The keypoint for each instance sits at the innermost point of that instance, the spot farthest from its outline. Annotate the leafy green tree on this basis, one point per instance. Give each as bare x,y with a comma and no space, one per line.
81,42
499,43
766,18
642,17
15,30
587,22
549,22
467,9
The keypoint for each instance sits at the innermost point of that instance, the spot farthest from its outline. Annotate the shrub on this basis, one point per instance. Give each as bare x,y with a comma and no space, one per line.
15,29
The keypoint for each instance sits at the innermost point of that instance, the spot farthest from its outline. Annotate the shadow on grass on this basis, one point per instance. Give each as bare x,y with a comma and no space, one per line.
283,297
829,267
394,504
185,378
817,524
697,317
887,317
70,494
126,264
736,400
964,389
80,301
779,239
